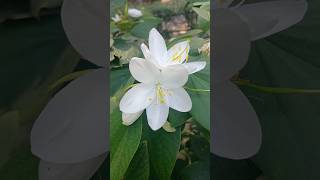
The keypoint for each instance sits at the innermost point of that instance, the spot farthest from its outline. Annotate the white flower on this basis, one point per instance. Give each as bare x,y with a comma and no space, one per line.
135,13
162,75
236,129
116,18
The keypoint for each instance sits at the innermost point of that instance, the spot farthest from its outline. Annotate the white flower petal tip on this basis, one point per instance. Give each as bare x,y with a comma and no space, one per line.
146,52
174,76
135,13
137,98
128,119
157,47
143,71
262,23
193,67
73,127
157,115
178,99
73,171
178,53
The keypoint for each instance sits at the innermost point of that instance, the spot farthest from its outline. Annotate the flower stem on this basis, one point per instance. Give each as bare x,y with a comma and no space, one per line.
197,90
276,90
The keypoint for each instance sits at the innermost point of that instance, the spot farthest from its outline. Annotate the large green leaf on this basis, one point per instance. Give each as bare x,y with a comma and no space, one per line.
37,5
163,148
9,134
142,29
139,167
200,99
124,143
290,123
22,165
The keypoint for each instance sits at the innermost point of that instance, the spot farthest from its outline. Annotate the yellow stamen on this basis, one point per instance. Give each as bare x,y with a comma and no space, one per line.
178,56
160,95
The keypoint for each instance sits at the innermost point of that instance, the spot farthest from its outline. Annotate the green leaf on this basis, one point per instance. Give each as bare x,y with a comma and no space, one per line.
139,167
196,171
124,142
177,118
290,123
9,130
205,14
200,100
21,165
37,5
228,169
142,29
68,78
163,149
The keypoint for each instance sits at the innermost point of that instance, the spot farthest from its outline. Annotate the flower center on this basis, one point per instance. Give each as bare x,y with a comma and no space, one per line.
161,94
177,56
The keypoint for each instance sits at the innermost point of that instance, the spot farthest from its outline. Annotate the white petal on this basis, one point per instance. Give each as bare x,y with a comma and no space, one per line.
178,53
73,126
236,131
173,76
263,23
157,46
74,171
146,52
194,67
179,100
231,44
137,98
88,35
157,115
135,13
130,118
143,71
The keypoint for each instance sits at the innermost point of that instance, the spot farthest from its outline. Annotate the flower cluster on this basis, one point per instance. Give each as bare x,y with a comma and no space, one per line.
161,75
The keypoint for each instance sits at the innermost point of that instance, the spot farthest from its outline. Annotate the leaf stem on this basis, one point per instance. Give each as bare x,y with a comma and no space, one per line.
197,90
276,90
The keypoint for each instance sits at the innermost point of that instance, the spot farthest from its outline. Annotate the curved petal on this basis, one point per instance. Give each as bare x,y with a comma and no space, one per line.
193,67
73,126
73,171
236,128
143,71
157,114
137,98
174,76
130,118
157,46
179,100
231,44
86,28
146,52
262,23
178,53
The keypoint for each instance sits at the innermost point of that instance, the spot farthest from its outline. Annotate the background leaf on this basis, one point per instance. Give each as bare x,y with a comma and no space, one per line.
163,148
139,167
290,123
200,100
124,143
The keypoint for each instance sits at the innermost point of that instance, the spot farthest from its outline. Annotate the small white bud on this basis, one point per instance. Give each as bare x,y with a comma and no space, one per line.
116,18
135,13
